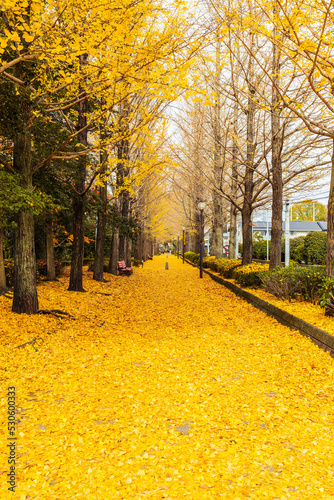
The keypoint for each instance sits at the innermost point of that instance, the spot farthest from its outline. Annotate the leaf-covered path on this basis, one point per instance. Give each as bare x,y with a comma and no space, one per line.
170,387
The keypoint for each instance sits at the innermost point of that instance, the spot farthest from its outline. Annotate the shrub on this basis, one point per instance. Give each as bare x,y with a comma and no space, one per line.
294,282
208,262
327,296
315,247
260,249
298,254
193,257
296,248
249,275
225,266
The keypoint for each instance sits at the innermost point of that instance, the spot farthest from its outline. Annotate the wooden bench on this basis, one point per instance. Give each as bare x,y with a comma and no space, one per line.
122,269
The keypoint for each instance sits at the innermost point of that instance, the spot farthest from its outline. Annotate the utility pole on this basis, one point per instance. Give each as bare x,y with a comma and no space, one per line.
267,234
287,234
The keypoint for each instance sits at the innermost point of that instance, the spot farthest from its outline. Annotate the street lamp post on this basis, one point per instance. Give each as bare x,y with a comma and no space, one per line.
201,207
183,229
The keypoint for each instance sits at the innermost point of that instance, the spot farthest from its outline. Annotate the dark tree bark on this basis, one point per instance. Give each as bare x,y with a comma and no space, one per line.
330,225
247,208
114,255
101,230
25,298
78,201
100,239
128,252
277,176
3,283
122,248
76,276
122,171
137,249
196,237
25,291
247,234
217,247
186,239
232,251
50,259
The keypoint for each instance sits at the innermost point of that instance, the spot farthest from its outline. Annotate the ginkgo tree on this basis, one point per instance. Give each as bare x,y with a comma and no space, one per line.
58,61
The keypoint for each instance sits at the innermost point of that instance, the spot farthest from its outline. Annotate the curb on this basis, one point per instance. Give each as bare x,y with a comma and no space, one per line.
321,338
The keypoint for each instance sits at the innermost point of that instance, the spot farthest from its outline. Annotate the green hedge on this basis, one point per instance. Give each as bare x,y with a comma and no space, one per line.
315,247
250,275
208,262
193,257
294,282
222,266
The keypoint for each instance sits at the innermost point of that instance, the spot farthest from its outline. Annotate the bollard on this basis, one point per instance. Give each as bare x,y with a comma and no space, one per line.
166,265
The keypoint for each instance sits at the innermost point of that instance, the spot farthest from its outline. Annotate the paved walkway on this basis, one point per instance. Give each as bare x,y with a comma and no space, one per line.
171,387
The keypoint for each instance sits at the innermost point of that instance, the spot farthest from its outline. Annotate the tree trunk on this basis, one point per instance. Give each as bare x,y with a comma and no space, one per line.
218,222
277,176
50,259
78,202
330,225
100,239
247,235
114,256
247,209
3,284
100,233
217,247
186,244
138,248
25,298
233,251
78,247
102,213
25,291
128,252
122,248
196,236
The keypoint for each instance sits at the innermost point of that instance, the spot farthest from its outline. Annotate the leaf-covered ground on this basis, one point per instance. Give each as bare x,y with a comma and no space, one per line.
170,387
312,313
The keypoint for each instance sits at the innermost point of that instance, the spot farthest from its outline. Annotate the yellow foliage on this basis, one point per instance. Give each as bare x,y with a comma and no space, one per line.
164,385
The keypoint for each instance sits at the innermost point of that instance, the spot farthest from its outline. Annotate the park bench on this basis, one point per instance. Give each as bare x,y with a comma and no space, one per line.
149,257
122,269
